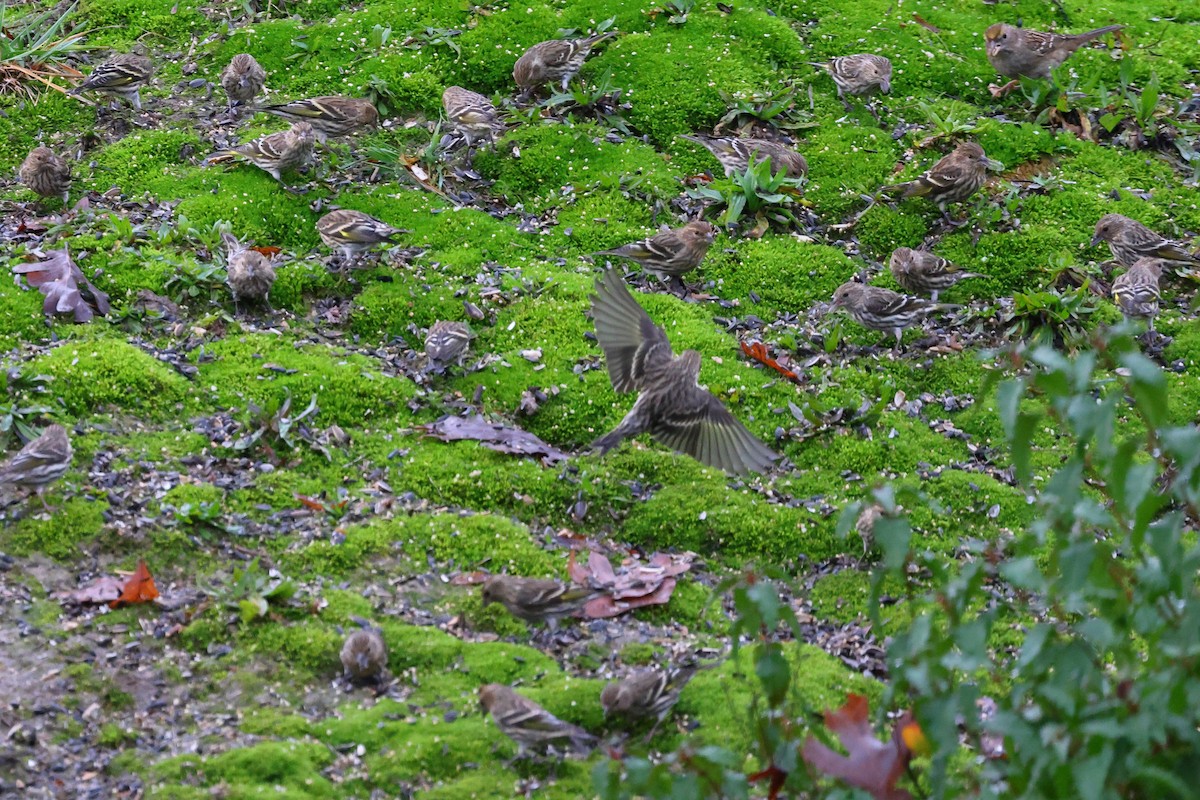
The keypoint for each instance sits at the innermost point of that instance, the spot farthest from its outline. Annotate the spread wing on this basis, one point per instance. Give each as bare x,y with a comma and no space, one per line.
699,424
633,345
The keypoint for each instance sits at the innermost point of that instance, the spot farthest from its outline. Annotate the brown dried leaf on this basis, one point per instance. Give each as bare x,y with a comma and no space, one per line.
494,436
104,589
67,289
872,765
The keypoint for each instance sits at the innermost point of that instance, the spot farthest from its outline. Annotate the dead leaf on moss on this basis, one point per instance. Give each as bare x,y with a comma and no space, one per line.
67,289
494,436
871,764
634,585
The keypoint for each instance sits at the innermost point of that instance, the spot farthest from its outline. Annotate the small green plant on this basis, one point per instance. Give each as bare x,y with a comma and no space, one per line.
776,107
430,37
1056,316
757,193
274,428
34,49
252,592
202,283
599,101
950,123
17,411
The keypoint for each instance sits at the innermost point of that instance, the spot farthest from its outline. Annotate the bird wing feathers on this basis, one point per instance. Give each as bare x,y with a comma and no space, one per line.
700,425
633,345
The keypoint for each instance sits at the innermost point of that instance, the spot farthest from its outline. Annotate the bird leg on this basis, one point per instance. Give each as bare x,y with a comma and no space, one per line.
1001,91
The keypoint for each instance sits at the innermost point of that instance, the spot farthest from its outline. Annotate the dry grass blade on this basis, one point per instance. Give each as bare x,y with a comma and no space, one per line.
32,49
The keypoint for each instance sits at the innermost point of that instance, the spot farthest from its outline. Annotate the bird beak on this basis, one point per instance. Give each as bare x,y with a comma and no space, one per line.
993,164
1097,239
886,87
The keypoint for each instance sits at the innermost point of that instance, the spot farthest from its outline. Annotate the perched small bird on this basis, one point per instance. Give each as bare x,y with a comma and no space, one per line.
859,74
249,273
671,405
40,462
447,342
1021,53
1130,240
536,599
735,153
953,179
352,232
364,655
46,174
290,149
242,79
122,74
922,271
472,114
555,60
330,115
865,525
671,253
648,692
532,727
1136,292
882,309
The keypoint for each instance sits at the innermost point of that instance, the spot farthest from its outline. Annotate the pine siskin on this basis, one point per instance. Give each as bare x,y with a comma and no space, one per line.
646,693
364,655
122,74
859,74
1018,52
1137,293
1130,240
672,252
536,599
555,60
953,179
865,525
330,115
352,232
249,273
290,149
882,309
532,727
46,174
40,462
242,79
447,342
472,114
671,405
922,271
735,153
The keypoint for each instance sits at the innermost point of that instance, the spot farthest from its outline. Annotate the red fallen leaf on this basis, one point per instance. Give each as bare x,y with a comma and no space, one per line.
269,252
758,352
775,775
575,572
601,569
139,588
609,606
310,503
872,765
66,289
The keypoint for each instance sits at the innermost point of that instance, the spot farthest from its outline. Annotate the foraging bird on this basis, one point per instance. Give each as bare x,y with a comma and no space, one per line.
859,74
882,309
121,75
364,655
472,114
735,153
648,692
1136,292
40,462
352,232
671,252
532,727
1130,240
249,273
953,179
922,271
46,174
555,60
536,599
1021,53
447,342
242,79
290,149
671,405
865,524
331,115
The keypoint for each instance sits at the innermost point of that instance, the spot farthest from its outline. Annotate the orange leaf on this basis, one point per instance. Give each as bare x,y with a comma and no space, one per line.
758,352
310,503
269,252
139,588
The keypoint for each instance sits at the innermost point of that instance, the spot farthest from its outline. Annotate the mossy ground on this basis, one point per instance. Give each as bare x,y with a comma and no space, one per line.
145,401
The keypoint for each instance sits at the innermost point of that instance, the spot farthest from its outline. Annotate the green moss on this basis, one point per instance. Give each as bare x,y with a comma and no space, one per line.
292,768
113,735
93,374
788,276
118,22
56,535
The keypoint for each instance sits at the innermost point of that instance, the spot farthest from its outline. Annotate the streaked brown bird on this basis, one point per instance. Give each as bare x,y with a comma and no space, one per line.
446,342
40,462
536,599
953,179
882,309
865,525
352,233
1130,241
331,115
650,692
472,115
735,154
274,153
533,728
122,75
922,271
1137,293
46,174
1021,53
249,273
242,79
671,405
671,253
555,60
859,74
364,656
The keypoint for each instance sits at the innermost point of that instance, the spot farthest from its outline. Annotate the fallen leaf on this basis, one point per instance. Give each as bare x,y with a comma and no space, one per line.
104,589
139,588
633,585
66,288
757,351
269,252
872,765
494,436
